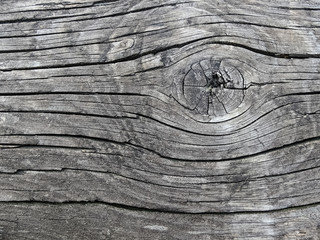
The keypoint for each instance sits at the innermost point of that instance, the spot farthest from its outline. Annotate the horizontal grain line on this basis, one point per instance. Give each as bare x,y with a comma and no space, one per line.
50,48
57,9
284,174
90,30
13,94
91,150
93,3
28,20
119,14
247,179
227,159
246,23
267,53
296,8
129,143
15,146
98,139
71,113
157,210
52,33
156,51
25,171
302,93
135,115
120,60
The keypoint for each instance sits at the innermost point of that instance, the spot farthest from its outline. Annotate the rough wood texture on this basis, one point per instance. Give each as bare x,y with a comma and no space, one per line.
159,119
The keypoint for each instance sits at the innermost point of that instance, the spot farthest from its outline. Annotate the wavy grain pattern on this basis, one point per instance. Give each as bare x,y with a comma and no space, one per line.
159,119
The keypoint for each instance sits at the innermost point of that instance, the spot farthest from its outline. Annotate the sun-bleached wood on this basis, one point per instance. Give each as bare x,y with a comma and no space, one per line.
159,119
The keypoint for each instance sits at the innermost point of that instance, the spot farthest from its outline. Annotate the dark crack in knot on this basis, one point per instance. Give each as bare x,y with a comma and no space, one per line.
211,87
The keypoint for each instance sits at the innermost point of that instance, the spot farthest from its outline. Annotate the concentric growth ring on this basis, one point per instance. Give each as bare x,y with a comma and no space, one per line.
211,87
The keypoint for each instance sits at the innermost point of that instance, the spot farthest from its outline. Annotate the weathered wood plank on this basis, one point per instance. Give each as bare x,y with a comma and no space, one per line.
100,221
173,193
159,119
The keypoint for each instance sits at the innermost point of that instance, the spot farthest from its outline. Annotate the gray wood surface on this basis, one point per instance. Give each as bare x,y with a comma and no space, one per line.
163,119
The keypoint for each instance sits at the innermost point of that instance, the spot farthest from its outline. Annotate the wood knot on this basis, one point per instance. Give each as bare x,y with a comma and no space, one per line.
210,87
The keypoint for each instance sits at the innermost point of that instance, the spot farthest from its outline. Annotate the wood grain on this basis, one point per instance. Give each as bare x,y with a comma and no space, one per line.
36,220
159,119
